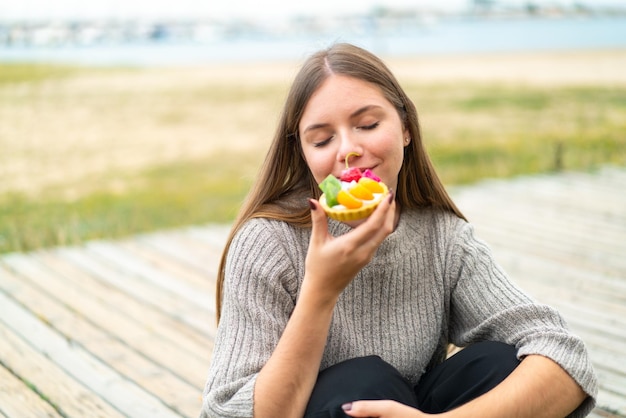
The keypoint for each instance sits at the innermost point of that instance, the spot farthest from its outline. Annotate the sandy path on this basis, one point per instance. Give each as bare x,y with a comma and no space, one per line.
593,67
89,129
549,68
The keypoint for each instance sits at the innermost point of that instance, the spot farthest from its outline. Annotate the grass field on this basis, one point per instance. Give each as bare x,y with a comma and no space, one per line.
93,153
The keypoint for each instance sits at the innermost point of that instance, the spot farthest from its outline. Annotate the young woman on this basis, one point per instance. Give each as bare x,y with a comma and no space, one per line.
319,318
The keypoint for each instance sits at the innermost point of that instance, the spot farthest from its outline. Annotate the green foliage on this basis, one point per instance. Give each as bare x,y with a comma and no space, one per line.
174,195
472,132
490,99
18,73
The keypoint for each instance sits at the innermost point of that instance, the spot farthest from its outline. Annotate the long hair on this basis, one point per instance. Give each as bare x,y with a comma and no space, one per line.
285,181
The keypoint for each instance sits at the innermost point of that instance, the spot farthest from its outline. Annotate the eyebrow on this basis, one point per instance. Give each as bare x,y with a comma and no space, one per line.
354,114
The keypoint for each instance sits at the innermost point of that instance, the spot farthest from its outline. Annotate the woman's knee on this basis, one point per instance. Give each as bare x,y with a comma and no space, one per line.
494,359
367,377
471,372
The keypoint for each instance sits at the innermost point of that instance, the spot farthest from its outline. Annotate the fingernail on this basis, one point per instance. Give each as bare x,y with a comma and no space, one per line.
390,196
347,406
312,204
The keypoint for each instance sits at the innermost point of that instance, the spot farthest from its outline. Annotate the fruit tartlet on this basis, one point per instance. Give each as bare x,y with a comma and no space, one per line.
353,196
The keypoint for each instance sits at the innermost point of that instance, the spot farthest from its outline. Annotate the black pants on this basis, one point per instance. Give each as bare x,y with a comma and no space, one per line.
468,374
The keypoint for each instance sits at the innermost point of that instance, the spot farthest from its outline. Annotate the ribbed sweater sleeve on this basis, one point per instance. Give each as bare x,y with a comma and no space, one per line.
486,305
259,295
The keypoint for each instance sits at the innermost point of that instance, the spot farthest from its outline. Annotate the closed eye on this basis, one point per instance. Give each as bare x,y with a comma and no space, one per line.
370,127
364,128
322,143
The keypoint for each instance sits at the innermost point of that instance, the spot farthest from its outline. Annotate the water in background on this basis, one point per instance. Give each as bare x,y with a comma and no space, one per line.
439,37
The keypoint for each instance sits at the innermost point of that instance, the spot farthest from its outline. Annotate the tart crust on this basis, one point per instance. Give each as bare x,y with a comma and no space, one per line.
353,214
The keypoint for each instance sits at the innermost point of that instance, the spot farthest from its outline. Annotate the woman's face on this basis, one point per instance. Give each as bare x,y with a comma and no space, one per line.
347,115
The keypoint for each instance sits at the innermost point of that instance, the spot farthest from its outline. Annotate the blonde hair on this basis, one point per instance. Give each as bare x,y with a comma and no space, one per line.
285,182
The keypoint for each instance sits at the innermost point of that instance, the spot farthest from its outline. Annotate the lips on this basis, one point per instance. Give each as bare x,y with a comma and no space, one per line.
361,169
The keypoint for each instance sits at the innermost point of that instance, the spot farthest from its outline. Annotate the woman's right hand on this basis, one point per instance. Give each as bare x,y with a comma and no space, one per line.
332,262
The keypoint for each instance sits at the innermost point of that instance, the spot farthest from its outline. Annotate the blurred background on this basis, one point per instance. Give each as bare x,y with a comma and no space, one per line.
106,32
121,117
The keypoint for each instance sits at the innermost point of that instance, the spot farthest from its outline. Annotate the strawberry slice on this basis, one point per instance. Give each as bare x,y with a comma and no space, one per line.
370,175
351,174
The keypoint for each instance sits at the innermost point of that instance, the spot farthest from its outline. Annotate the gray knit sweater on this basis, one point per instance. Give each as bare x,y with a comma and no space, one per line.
431,282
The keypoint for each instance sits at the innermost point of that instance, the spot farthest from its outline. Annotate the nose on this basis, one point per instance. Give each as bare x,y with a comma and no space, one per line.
348,144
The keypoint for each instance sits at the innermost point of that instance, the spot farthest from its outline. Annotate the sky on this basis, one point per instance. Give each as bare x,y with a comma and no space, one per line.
265,9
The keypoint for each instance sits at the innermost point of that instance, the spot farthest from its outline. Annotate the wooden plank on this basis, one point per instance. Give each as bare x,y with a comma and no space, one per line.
585,302
554,227
601,413
128,265
74,361
42,369
210,239
214,235
532,241
77,266
612,383
175,393
178,247
580,192
598,318
195,303
17,400
541,195
130,296
546,221
600,284
586,195
162,342
172,318
579,258
611,403
158,260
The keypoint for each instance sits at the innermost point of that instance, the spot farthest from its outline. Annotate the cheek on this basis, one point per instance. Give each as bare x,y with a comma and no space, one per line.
391,145
393,151
319,164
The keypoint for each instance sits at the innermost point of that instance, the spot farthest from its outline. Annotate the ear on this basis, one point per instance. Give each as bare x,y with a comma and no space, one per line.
407,137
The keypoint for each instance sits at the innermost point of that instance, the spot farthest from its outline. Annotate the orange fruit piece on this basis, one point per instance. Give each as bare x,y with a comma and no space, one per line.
361,192
372,185
349,201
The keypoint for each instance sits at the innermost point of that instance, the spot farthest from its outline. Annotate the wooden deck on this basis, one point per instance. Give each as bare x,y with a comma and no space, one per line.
125,328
